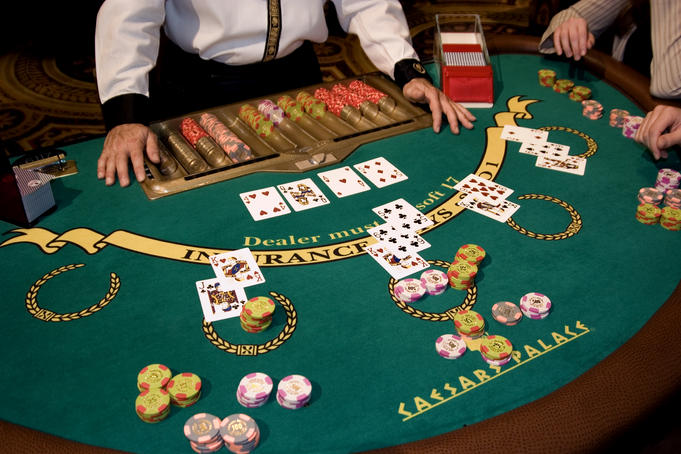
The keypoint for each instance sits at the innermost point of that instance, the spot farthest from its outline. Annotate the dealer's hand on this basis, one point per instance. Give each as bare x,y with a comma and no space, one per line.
573,38
421,91
660,129
124,143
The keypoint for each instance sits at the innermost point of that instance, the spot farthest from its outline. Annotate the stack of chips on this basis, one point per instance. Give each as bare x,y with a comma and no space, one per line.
293,109
563,85
617,117
256,120
235,148
547,77
580,93
153,405
204,144
670,218
496,350
153,376
650,195
506,313
592,109
471,253
334,103
256,315
240,433
631,125
672,198
667,179
535,306
254,390
461,275
203,432
410,290
349,97
294,392
450,346
469,324
647,213
435,281
313,106
367,91
184,389
271,111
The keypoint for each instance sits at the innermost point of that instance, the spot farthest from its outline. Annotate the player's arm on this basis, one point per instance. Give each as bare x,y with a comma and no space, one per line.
384,35
660,129
126,47
573,31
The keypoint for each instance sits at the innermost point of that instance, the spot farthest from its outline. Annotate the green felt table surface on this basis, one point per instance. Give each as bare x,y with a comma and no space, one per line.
377,379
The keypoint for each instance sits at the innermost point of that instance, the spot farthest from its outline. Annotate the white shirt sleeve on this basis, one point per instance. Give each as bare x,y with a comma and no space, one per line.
126,45
381,28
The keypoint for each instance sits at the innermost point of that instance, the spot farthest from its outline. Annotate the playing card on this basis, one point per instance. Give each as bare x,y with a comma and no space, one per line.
303,194
397,265
237,268
474,184
218,300
403,215
264,203
343,181
568,164
499,211
401,241
550,149
380,172
520,134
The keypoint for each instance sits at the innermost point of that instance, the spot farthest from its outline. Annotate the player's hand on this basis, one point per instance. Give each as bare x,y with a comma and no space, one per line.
124,143
573,38
421,91
660,129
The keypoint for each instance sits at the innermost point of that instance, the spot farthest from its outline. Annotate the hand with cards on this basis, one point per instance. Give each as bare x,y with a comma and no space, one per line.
397,239
224,296
549,155
486,197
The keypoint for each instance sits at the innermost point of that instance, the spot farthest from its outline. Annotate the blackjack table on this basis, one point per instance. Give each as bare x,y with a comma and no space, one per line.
105,285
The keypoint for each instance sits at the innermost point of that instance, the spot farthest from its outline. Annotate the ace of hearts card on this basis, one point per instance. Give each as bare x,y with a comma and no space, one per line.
343,181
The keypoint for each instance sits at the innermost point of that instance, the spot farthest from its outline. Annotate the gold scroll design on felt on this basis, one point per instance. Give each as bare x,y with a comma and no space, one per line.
92,241
259,349
448,315
47,315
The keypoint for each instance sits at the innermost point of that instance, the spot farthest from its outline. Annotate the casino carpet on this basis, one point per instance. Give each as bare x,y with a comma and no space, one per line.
48,98
48,95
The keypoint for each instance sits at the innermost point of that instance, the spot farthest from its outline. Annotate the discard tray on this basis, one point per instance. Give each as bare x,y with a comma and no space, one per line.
308,137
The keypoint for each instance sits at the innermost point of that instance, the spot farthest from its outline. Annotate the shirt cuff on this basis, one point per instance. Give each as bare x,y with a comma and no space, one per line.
408,69
128,108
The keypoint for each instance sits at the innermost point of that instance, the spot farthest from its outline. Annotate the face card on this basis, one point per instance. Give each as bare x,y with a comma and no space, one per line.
474,184
403,215
499,211
343,181
397,265
237,268
569,164
380,172
303,194
402,241
550,149
264,203
220,301
520,134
